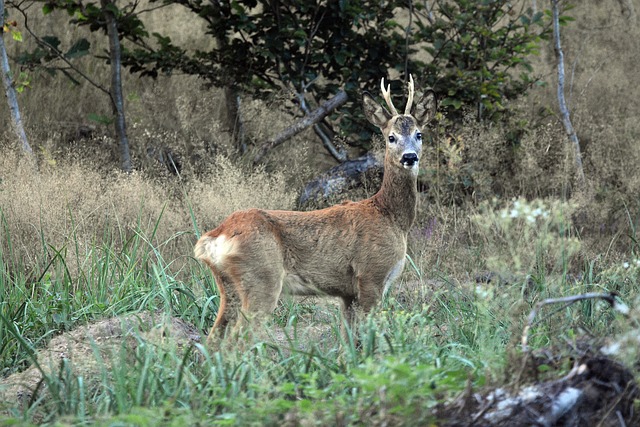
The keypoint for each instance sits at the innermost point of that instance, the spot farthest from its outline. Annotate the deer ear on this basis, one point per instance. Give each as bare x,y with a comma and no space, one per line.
375,113
425,109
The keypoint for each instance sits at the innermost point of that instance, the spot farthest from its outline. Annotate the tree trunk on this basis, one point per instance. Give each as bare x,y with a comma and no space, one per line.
233,114
10,91
117,100
564,110
234,118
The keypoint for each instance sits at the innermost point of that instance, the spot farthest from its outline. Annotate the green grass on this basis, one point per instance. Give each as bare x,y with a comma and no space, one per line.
422,345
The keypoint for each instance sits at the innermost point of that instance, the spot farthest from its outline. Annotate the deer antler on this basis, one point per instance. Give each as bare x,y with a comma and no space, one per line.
407,109
386,94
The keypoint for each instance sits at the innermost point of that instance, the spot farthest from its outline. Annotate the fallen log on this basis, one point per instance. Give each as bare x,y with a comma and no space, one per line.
340,179
597,391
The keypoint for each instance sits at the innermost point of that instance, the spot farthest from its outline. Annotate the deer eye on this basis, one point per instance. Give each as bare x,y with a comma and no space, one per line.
392,139
419,136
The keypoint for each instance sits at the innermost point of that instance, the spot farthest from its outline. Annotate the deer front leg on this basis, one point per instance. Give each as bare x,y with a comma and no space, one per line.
348,310
370,288
349,315
369,291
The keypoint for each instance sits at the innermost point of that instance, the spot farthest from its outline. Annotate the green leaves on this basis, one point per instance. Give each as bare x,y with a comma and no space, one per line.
79,49
47,56
17,35
451,102
479,51
22,82
475,47
47,8
11,27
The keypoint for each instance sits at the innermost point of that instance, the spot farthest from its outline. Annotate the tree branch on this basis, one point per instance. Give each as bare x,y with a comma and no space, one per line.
611,298
566,301
307,121
57,53
337,153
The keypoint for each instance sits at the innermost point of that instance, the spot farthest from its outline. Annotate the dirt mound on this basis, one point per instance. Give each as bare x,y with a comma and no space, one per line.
598,391
91,348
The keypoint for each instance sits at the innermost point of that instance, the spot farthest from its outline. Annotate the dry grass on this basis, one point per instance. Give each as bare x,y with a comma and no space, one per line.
230,188
178,113
70,206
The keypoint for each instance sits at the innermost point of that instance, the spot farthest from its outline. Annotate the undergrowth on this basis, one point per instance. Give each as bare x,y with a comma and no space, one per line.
72,256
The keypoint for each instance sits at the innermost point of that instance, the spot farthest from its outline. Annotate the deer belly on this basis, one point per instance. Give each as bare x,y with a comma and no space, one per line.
296,285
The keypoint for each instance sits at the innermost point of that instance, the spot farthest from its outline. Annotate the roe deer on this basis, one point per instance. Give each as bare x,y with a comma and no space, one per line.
352,251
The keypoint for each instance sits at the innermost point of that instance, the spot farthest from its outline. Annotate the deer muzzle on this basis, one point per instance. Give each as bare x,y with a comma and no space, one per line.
408,160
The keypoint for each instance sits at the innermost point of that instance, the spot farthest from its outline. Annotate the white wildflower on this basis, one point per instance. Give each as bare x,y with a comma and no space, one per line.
481,292
620,307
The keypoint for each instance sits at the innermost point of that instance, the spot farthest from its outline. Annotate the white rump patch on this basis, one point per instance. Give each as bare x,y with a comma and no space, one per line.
214,249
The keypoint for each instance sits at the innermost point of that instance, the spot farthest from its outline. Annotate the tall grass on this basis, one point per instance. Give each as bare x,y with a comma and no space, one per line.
263,381
72,350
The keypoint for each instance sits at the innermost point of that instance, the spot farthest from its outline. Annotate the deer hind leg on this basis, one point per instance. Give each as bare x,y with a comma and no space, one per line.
250,283
228,309
261,285
250,289
247,299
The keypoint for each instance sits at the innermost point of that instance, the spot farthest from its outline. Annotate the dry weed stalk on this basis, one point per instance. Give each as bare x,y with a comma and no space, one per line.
611,298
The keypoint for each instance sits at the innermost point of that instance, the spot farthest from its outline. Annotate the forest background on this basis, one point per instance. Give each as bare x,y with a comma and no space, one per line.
507,217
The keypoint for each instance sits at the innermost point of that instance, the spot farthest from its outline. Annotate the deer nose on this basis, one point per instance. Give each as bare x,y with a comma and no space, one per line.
409,159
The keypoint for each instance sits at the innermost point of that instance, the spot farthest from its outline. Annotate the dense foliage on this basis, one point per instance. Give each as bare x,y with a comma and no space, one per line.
475,54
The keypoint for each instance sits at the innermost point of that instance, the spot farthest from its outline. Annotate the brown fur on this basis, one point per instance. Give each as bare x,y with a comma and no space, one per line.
350,251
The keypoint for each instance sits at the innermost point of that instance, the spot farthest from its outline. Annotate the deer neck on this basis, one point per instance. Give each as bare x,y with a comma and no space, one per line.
398,195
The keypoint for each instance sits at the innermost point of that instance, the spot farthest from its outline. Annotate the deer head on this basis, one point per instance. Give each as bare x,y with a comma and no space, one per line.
402,132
